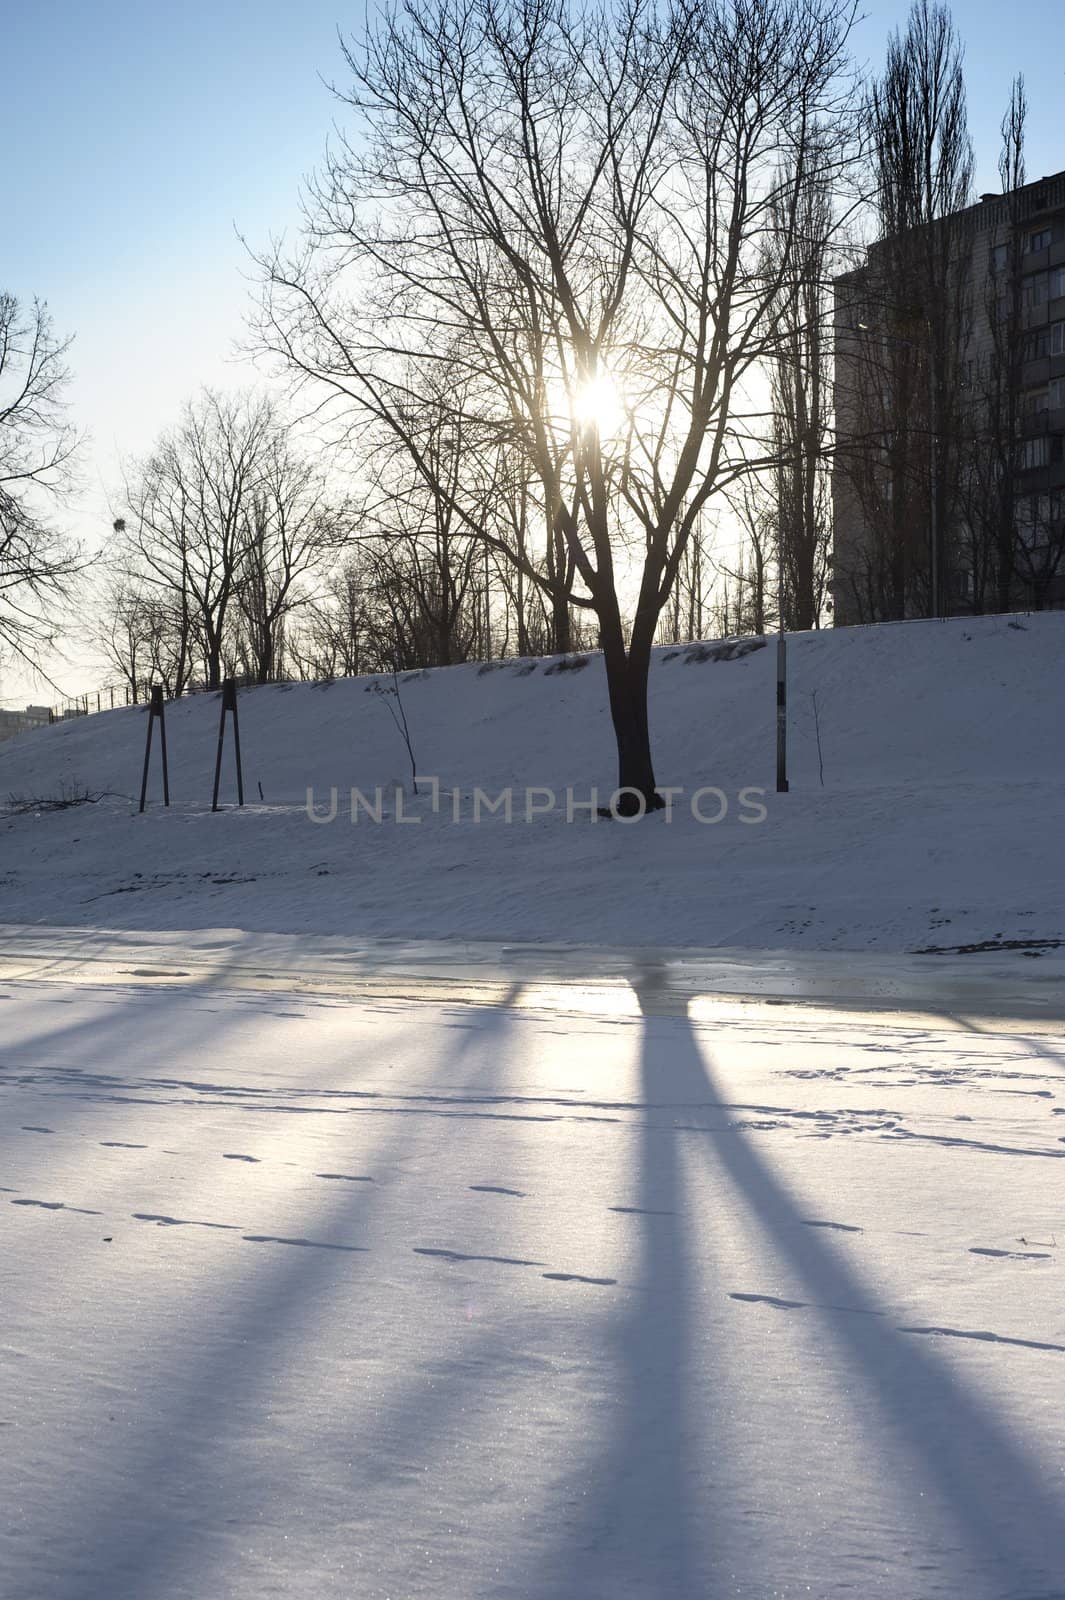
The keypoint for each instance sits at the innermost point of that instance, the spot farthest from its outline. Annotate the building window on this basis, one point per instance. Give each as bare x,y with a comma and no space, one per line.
1038,239
1035,290
1057,282
1056,394
1035,401
999,258
1036,516
1049,341
1035,452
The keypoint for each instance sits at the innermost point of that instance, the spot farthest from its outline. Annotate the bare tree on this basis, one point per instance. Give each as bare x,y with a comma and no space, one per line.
903,378
293,523
336,638
228,535
1039,544
131,633
37,444
428,569
802,409
744,599
991,502
688,615
567,203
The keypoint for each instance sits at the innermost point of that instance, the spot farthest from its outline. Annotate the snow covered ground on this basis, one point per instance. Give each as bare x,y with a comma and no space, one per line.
549,1299
365,1233
937,825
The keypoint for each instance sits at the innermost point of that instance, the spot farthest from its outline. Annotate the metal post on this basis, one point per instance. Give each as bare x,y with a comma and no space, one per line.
147,757
157,698
935,532
236,744
934,476
229,703
782,713
218,752
155,709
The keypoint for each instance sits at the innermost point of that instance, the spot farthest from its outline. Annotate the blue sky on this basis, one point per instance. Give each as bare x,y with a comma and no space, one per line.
141,135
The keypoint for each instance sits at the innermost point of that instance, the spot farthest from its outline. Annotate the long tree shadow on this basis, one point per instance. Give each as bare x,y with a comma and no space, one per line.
1007,1517
114,1060
639,1530
180,1486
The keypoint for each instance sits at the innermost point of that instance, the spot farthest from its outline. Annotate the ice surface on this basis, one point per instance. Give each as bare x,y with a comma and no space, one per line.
763,1302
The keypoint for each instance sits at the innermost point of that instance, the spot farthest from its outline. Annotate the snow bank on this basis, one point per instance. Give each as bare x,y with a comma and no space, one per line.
938,822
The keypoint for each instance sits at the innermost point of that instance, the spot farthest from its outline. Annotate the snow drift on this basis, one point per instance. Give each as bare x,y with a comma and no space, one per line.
926,806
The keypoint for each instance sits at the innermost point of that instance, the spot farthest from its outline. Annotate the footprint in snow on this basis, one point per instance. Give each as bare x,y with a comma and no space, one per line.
576,1277
769,1300
311,1244
497,1188
640,1211
458,1255
989,1338
227,1156
1009,1255
180,1222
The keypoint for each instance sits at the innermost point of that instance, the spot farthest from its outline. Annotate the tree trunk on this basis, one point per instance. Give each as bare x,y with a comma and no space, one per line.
1004,544
626,677
561,637
213,664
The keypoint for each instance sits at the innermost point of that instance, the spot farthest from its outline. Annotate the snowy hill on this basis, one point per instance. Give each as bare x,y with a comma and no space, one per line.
939,821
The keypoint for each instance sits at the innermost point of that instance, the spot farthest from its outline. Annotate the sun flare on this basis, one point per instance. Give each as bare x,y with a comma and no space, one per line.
599,403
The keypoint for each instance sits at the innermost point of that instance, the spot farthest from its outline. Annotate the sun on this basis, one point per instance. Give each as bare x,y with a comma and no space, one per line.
598,404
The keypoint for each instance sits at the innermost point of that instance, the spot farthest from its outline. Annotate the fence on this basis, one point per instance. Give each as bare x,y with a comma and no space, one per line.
111,697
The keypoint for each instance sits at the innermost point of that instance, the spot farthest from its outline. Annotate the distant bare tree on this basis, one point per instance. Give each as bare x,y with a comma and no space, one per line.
914,304
293,524
744,598
1011,536
133,634
428,568
186,521
688,615
37,445
226,529
801,404
336,638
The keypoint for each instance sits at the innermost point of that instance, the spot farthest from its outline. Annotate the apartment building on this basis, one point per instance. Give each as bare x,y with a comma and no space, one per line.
12,722
950,420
